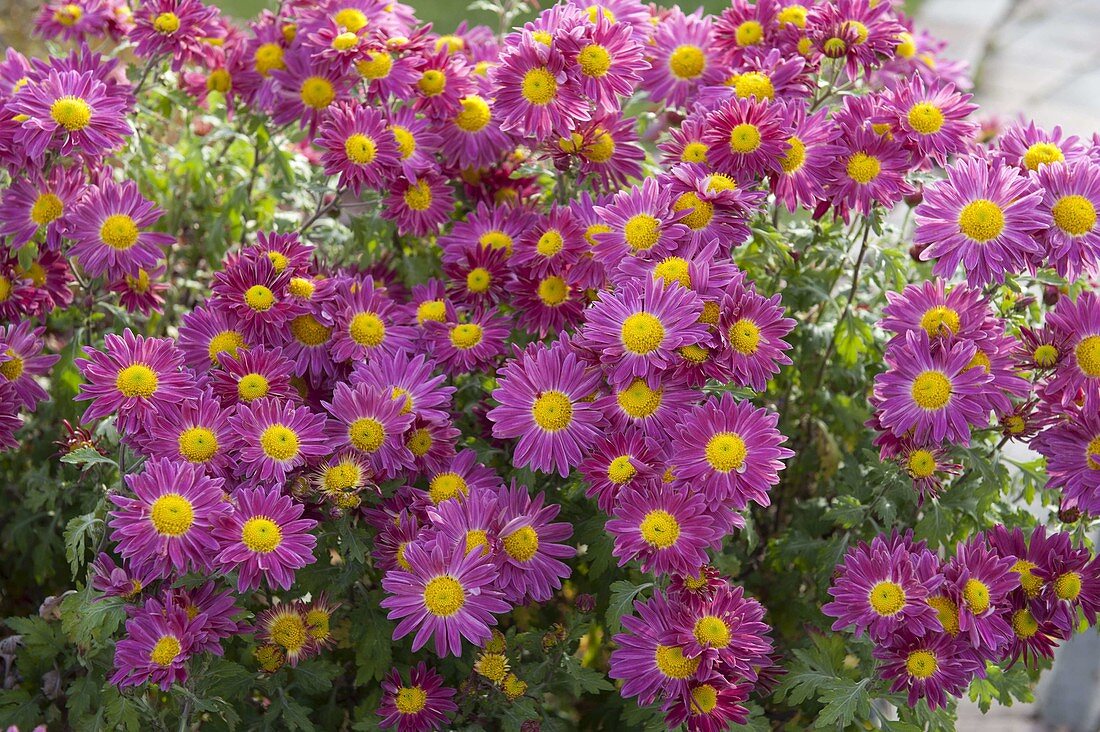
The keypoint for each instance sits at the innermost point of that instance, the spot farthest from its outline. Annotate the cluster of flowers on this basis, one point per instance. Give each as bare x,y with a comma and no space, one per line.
937,623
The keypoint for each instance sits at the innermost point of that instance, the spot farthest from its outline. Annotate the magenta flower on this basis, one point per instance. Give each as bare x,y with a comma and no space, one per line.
620,460
306,89
461,476
940,310
372,422
168,526
1071,197
33,204
1029,148
158,644
357,147
368,324
682,52
930,666
752,328
275,438
747,139
728,625
609,59
531,546
106,229
253,374
639,222
869,169
665,529
258,298
209,334
422,704
1078,323
731,450
461,347
542,402
196,431
646,657
534,91
983,216
264,537
982,580
21,360
134,377
179,28
446,595
418,206
425,394
806,161
929,119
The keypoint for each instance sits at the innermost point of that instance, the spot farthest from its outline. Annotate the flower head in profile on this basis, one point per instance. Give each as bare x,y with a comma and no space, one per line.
264,538
445,595
424,703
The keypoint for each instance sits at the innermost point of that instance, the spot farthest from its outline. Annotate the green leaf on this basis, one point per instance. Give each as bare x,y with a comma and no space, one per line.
622,602
86,457
845,702
90,621
77,532
373,648
315,676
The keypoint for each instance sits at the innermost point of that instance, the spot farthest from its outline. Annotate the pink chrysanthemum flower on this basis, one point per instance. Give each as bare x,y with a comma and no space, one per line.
805,164
264,537
711,704
142,293
494,226
655,410
1031,147
534,91
196,431
368,324
372,422
761,75
106,229
982,580
983,216
551,243
666,530
681,54
642,223
217,609
477,277
609,60
932,393
472,135
422,704
752,328
747,138
550,304
259,298
882,590
717,211
605,149
133,377
929,119
685,144
861,32
941,311
126,581
168,526
531,546
541,396
446,595
1072,450
158,645
275,438
72,21
443,79
357,147
1077,322
869,169
387,74
472,522
637,330
929,667
33,204
646,657
206,334
419,206
22,360
306,90
467,343
426,395
731,450
176,27
1071,199
463,475
417,142
730,626
745,26
620,460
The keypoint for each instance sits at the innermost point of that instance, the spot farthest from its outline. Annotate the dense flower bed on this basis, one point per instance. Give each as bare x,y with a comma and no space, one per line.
599,372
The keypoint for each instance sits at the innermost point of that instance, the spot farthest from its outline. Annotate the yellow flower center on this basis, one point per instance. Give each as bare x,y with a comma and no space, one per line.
351,18
793,15
795,157
642,231
137,380
366,434
704,698
749,33
754,84
341,477
673,269
553,411
1067,586
550,243
687,62
1087,354
981,220
863,168
119,232
11,369
477,538
642,333
712,631
907,47
268,58
345,41
317,623
475,114
418,196
228,341
947,612
1074,215
493,666
406,145
261,535
259,298
711,313
166,23
397,392
553,291
1029,581
68,15
446,486
444,596
288,630
621,469
593,231
198,444
539,86
435,310
940,320
638,400
921,464
466,336
543,37
279,442
1024,624
701,211
419,441
925,118
47,207
921,664
694,152
694,353
745,336
982,360
886,598
165,650
522,544
726,451
1045,356
252,387
478,280
672,663
496,239
745,138
594,60
1042,153
377,65
220,81
367,329
976,595
171,515
410,699
931,390
660,529
309,331
317,92
360,149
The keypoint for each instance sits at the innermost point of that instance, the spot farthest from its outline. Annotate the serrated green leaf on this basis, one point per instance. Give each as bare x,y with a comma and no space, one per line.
86,457
845,702
77,532
622,602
